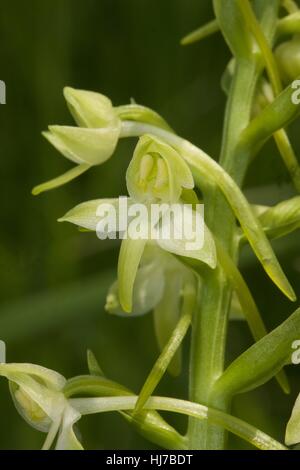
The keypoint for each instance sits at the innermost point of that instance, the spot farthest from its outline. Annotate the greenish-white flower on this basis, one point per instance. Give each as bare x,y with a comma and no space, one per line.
292,435
38,395
93,143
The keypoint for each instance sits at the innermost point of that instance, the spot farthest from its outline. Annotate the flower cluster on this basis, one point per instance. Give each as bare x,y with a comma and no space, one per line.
162,275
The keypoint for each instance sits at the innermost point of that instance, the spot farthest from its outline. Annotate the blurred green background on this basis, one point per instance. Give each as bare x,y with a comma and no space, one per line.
53,279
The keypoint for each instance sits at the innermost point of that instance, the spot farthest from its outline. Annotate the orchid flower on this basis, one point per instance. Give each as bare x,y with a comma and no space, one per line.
157,173
38,395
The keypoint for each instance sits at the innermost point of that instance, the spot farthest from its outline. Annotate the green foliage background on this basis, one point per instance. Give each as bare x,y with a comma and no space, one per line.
53,279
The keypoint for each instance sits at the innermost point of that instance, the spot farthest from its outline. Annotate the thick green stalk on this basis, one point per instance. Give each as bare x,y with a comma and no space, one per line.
210,325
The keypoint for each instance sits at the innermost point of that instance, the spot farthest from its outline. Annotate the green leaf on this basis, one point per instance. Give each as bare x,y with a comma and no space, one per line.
205,167
261,361
248,306
252,23
281,138
232,25
277,115
87,385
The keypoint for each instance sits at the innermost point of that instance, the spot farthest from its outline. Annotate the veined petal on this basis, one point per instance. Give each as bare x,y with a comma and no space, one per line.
129,259
90,109
82,145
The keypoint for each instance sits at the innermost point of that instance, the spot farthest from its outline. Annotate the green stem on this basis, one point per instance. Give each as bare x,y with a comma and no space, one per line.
210,327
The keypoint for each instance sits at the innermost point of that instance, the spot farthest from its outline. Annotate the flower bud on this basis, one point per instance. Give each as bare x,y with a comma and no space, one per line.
90,109
157,172
36,392
288,59
38,395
